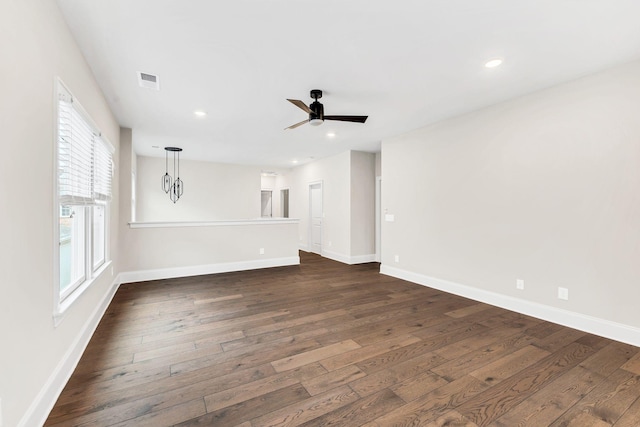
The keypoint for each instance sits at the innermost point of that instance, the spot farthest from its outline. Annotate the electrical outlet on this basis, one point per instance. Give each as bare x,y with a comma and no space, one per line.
519,284
397,258
261,251
563,293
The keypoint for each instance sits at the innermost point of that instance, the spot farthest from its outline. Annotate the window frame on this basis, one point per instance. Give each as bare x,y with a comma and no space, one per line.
63,299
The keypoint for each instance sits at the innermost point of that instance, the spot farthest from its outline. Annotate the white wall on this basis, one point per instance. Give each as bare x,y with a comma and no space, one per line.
212,191
543,188
348,181
362,204
334,173
216,192
36,47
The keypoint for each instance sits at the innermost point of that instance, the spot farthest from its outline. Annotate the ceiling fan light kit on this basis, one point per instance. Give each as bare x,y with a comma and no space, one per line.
316,112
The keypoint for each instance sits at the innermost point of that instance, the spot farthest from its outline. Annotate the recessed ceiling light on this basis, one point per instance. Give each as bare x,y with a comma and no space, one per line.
200,113
493,63
294,161
331,134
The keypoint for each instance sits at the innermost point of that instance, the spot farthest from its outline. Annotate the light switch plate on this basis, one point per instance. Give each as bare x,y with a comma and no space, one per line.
389,217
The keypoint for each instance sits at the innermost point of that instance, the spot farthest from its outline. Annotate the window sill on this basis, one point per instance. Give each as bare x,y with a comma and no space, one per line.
62,306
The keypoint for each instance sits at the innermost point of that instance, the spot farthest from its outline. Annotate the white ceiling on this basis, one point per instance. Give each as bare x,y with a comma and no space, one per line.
405,63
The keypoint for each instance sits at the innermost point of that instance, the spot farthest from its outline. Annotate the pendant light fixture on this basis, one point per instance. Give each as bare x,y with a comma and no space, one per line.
174,187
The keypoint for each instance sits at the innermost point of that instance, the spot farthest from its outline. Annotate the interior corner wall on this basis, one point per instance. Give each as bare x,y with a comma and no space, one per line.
36,356
348,188
212,191
542,188
334,173
362,204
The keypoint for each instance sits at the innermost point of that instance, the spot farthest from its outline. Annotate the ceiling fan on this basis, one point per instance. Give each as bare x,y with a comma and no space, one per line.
316,112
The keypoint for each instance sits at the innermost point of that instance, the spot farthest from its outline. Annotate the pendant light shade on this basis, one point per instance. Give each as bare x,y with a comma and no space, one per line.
166,178
174,187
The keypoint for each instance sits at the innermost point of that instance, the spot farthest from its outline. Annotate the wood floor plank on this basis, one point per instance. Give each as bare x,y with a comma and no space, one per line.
545,406
424,346
325,343
451,419
502,397
509,365
362,353
419,385
167,417
633,364
314,355
360,411
481,356
433,405
607,402
332,379
396,373
631,417
308,409
232,396
250,408
466,311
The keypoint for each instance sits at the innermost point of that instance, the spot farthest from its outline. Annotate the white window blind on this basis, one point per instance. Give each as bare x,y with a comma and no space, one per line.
102,170
84,158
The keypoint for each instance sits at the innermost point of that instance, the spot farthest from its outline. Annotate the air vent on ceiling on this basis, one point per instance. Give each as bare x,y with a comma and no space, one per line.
148,81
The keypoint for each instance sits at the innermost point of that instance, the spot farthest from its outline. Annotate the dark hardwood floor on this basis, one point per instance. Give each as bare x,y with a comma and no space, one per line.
326,344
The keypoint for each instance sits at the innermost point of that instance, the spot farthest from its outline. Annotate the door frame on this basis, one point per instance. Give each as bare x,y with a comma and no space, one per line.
309,230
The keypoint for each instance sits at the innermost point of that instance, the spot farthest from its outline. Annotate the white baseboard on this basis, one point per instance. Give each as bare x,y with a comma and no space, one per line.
594,325
41,406
198,270
346,259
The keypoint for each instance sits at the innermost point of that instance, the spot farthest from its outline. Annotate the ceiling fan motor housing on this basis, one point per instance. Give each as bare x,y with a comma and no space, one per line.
317,111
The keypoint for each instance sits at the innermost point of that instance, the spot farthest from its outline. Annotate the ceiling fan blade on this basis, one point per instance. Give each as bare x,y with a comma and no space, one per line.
297,124
357,119
300,105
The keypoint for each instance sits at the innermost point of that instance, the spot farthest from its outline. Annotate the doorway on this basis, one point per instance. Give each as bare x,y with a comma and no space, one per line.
284,202
265,204
315,217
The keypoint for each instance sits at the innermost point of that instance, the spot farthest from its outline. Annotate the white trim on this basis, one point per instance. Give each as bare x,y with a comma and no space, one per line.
303,247
198,270
346,259
257,221
39,409
378,221
594,325
60,310
362,259
310,225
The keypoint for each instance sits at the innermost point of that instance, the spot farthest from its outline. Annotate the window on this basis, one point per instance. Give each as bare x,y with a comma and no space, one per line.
83,188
